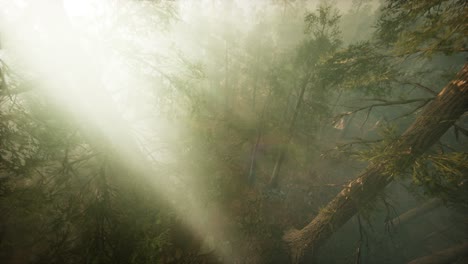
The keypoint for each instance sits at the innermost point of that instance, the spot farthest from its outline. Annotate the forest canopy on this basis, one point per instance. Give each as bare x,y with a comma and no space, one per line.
232,131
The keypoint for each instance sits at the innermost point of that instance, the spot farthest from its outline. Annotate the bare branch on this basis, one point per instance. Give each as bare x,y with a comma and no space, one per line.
387,103
418,85
412,111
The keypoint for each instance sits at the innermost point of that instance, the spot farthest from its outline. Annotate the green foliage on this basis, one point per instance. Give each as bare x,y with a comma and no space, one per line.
323,35
443,175
359,67
369,151
67,188
79,204
324,23
422,26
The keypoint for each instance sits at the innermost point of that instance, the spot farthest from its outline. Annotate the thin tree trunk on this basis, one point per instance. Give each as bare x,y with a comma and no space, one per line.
429,126
277,167
445,256
284,149
253,159
255,85
227,90
253,163
415,212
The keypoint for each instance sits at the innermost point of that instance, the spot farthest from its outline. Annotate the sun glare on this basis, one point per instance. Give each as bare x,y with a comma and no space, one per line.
79,8
91,82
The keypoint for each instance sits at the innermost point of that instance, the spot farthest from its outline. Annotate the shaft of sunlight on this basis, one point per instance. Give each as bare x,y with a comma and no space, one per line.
78,59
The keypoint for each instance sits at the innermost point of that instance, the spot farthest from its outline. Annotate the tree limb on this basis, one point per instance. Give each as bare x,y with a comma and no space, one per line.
418,85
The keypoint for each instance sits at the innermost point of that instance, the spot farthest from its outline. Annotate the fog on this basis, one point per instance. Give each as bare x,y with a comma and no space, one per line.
233,131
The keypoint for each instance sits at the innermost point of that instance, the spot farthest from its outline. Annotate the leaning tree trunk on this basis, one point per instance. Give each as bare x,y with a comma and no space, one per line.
429,126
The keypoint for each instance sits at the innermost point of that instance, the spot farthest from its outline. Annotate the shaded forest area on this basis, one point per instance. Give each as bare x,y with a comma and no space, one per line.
232,131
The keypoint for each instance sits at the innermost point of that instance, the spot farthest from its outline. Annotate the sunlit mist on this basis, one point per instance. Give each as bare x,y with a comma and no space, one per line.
104,67
233,131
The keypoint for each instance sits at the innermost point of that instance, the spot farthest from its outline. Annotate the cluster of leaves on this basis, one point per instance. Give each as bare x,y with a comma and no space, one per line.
443,175
373,151
426,27
360,68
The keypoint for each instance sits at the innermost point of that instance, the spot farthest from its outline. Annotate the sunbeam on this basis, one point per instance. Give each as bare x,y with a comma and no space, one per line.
233,131
90,79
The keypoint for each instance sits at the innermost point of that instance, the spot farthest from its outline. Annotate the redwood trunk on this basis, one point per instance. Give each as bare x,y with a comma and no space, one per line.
429,126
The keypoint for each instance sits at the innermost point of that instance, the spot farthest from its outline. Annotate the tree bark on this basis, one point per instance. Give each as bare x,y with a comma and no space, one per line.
445,256
429,126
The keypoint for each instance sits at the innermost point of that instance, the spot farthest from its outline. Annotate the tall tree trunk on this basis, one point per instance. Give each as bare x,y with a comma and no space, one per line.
255,84
227,89
284,149
260,127
253,159
429,126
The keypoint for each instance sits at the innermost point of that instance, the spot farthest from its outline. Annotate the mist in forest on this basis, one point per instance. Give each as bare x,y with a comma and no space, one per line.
233,131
